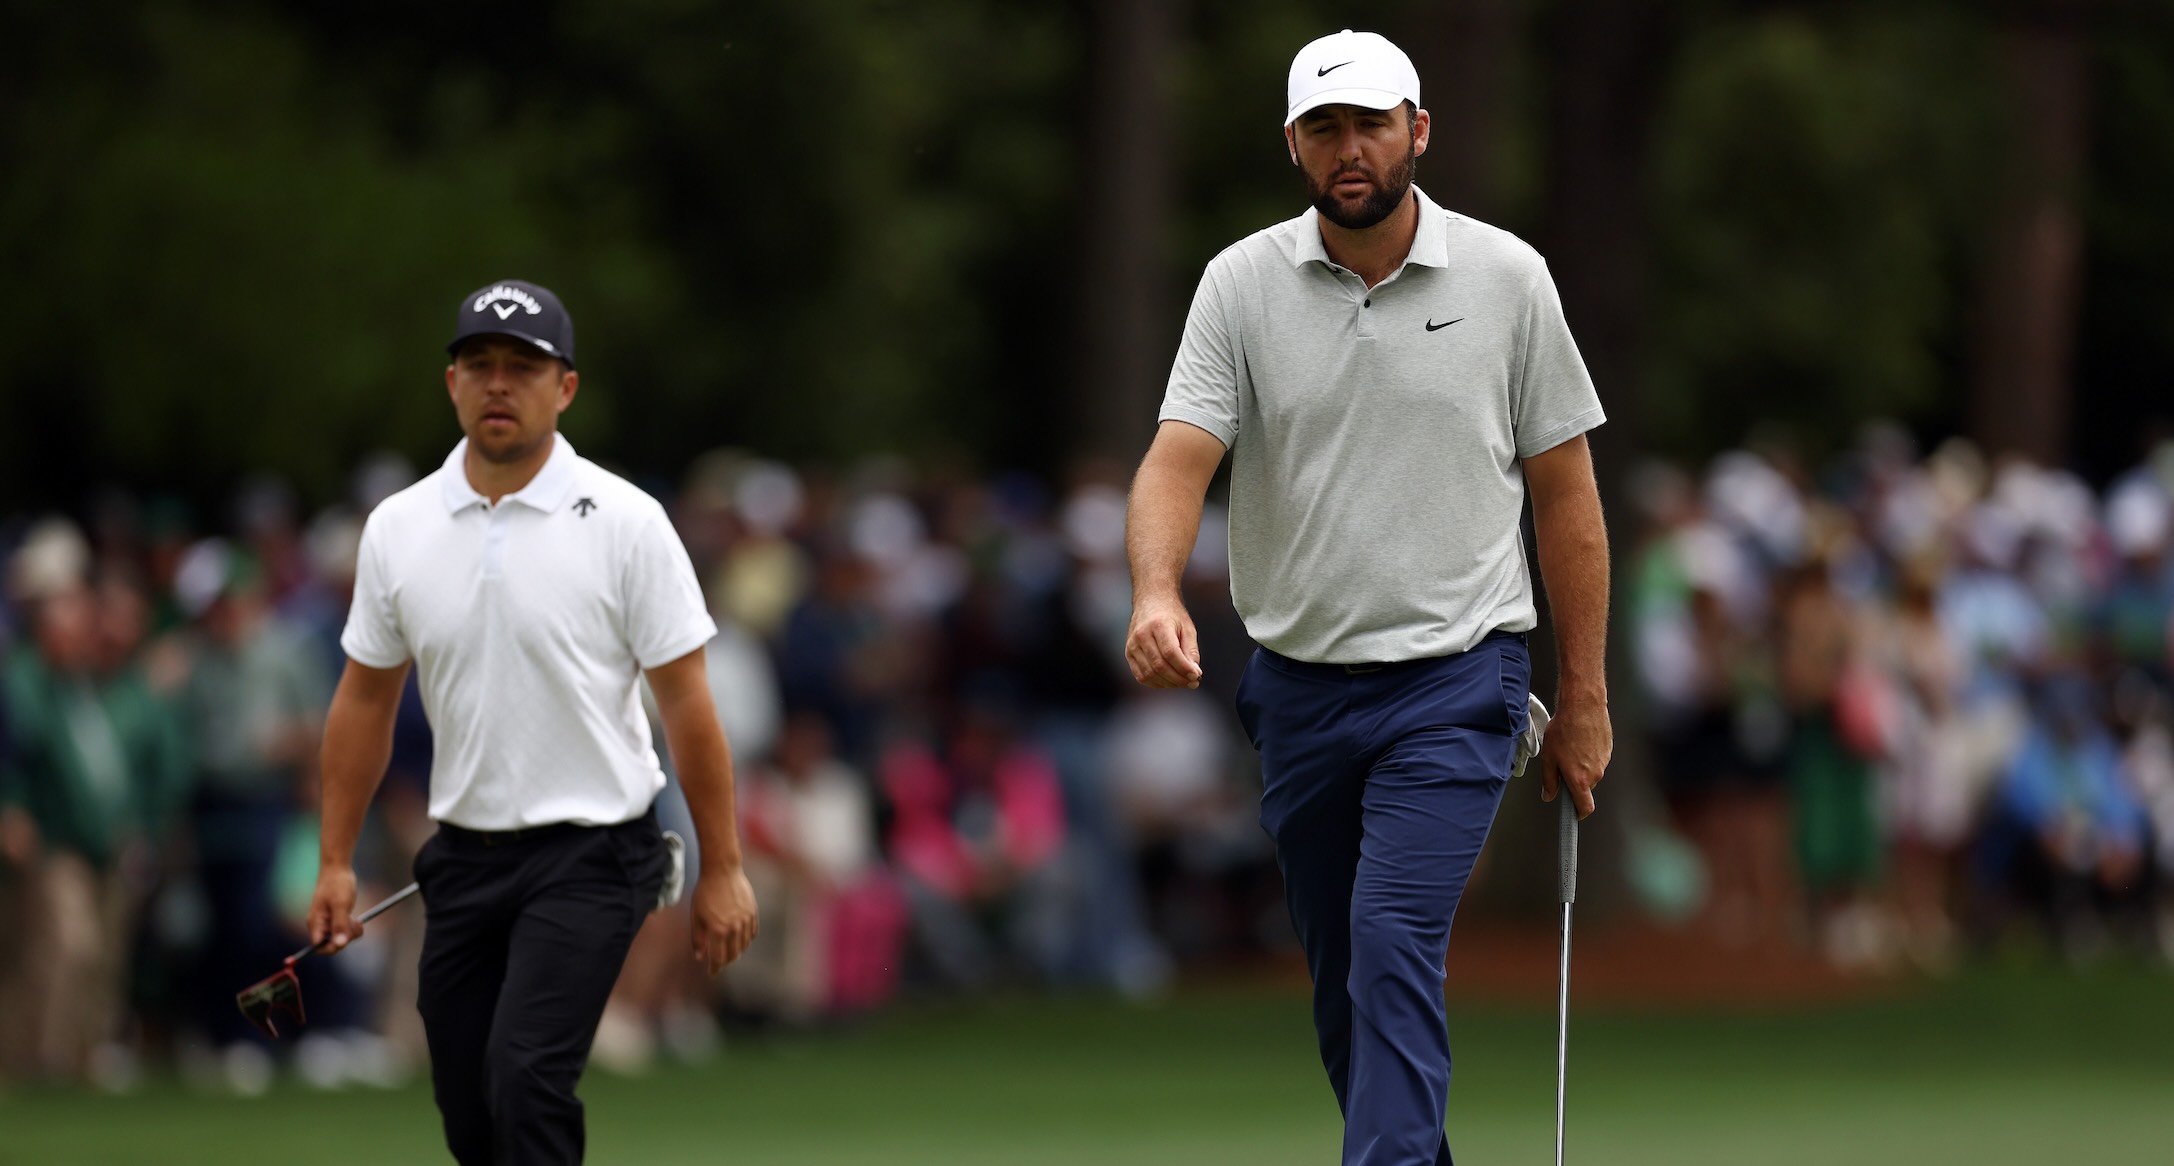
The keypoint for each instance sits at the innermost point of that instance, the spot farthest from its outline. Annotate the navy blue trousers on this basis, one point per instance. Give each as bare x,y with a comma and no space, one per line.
1379,784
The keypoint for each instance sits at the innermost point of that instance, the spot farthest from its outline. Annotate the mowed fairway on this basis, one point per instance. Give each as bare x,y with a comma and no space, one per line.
2000,1067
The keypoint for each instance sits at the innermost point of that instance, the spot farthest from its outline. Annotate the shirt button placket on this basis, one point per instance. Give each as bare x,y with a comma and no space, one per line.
494,543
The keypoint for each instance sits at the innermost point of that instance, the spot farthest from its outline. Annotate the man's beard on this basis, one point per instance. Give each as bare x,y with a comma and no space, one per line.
510,451
1388,193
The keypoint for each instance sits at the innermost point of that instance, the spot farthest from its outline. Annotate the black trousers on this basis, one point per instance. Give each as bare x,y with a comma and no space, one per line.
525,936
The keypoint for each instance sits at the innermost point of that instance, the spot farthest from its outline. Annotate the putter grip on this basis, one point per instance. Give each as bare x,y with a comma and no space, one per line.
1566,841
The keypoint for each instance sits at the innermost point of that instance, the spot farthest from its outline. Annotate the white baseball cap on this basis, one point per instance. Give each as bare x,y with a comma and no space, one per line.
1351,68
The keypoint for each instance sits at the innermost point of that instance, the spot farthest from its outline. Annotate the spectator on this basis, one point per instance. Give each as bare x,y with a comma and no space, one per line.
90,767
834,922
1797,647
977,835
2069,833
256,696
1930,803
1842,711
1719,726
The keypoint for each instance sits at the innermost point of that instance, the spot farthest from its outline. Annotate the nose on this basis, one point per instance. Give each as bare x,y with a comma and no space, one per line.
1347,145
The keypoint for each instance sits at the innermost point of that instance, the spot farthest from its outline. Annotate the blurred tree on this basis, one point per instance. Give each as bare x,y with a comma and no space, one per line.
2021,387
238,230
2125,331
1609,60
1126,320
1815,187
234,228
219,263
1467,53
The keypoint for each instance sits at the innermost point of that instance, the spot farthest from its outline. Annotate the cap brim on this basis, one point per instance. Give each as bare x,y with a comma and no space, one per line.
543,346
1363,98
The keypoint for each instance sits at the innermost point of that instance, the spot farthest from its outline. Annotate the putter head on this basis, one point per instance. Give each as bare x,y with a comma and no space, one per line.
675,872
264,1000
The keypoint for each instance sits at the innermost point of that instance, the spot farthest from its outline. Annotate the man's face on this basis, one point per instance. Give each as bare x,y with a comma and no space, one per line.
508,396
67,630
1358,163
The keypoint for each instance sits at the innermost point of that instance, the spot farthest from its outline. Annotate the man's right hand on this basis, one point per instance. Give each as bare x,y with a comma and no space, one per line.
332,924
1162,647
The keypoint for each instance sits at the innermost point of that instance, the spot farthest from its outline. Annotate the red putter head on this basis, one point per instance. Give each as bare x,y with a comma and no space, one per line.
280,992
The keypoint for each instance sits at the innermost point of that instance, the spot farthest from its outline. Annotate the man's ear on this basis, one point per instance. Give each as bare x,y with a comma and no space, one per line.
569,384
1290,144
1422,129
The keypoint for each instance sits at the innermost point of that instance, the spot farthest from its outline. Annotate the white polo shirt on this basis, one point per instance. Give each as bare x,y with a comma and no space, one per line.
530,624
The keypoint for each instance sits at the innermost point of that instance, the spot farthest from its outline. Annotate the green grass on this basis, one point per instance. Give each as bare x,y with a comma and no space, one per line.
1999,1067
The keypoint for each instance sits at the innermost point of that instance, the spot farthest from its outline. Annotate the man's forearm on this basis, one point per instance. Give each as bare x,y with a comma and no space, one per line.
1162,521
1573,545
704,763
357,746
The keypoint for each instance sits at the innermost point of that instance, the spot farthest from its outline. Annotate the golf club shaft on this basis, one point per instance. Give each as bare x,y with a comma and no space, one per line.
1567,853
390,901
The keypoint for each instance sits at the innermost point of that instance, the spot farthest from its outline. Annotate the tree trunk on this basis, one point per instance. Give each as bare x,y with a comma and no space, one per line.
1608,66
1127,337
1605,61
2022,388
1466,59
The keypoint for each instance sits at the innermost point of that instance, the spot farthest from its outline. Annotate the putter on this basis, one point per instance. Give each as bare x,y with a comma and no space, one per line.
282,992
1567,853
1566,847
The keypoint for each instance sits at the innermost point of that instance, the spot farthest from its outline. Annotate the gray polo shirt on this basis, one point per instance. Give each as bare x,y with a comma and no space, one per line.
1375,434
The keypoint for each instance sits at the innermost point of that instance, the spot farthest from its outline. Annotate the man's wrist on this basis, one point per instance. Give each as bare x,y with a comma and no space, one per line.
1573,690
1158,594
721,859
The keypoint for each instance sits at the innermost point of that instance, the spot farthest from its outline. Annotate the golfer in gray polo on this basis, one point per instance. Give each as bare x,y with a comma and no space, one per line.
1391,379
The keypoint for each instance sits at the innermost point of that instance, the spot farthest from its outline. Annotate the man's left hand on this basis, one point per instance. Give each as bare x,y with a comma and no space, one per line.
1580,742
724,917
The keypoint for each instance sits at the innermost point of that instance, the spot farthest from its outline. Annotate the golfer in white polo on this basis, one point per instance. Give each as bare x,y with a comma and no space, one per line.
532,591
1390,379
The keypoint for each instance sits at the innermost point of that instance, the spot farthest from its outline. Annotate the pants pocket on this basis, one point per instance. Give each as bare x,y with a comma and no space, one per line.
638,848
420,868
1514,664
1248,711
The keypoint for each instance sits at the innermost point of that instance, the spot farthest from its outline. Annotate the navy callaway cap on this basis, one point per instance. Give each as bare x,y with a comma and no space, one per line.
520,309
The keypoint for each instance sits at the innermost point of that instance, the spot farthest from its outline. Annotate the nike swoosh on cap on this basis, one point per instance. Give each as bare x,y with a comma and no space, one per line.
1329,70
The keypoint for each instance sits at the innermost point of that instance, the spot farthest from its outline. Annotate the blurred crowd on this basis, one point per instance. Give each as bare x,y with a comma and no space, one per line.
948,781
1907,707
1900,707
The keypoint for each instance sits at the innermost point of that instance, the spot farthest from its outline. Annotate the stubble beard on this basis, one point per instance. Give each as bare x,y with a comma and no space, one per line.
509,451
1389,192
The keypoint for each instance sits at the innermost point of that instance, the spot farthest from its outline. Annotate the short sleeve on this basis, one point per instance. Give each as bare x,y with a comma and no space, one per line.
373,637
1203,387
663,612
1552,399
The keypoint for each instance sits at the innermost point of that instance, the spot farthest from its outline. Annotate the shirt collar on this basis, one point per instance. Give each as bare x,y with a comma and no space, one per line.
544,492
1430,245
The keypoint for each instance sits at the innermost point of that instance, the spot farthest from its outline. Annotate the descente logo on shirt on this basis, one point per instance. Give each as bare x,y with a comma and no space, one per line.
505,300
